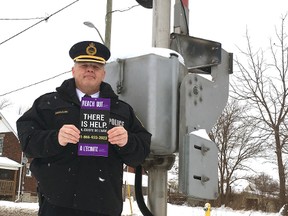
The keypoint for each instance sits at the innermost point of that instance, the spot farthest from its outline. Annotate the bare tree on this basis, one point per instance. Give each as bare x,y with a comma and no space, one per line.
22,109
4,103
234,135
261,83
265,186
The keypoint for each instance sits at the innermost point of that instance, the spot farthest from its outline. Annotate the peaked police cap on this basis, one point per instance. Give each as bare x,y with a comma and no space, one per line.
89,51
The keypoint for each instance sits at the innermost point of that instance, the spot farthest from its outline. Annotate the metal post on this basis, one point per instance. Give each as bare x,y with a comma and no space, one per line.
20,179
181,17
108,21
161,23
157,167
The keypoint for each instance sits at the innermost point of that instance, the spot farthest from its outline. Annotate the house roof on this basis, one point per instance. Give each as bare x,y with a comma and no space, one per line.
8,121
6,163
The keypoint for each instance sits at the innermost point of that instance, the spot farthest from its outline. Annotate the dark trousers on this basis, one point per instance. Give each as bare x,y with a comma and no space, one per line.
48,209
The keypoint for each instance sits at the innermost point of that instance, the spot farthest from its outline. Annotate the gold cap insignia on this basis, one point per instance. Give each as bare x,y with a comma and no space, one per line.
91,49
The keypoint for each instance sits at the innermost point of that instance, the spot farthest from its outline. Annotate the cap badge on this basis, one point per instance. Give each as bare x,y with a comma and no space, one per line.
91,49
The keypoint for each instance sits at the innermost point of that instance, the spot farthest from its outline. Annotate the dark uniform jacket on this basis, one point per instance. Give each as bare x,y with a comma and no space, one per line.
66,179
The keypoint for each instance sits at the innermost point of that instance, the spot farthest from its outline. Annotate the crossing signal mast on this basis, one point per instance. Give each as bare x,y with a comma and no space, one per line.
176,103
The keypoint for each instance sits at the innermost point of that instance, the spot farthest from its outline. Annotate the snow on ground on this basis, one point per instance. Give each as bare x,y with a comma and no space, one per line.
18,209
30,209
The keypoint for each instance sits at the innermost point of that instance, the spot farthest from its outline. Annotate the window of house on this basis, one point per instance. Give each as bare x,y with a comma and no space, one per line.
4,175
1,144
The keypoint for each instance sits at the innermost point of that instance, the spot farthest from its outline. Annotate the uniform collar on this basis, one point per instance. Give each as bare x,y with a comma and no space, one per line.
80,94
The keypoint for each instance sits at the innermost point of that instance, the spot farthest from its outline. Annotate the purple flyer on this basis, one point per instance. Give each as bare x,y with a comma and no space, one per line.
94,122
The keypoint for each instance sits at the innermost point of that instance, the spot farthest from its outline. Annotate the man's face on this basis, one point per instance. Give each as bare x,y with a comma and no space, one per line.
88,76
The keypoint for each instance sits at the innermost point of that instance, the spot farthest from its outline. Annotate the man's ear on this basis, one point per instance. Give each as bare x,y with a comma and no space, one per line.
72,71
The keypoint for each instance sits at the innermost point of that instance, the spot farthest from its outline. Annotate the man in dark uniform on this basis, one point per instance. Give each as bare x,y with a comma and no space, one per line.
49,132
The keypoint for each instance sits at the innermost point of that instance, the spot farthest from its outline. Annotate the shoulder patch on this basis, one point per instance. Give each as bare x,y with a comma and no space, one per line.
61,112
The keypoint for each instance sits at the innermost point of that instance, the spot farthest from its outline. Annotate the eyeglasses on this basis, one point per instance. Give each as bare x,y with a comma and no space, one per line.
86,65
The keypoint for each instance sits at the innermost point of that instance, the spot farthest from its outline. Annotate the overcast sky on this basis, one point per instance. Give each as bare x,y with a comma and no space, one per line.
42,51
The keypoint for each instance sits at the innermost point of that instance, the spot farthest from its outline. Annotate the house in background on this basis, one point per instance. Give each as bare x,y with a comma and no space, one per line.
16,182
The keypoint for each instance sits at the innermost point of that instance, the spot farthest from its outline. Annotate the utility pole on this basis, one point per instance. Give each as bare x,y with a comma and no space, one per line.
158,165
161,23
108,21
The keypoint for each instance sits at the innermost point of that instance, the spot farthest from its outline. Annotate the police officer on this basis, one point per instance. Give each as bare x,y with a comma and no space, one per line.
49,132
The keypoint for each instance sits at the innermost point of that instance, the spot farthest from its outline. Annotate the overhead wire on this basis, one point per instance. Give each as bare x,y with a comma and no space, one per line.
44,19
36,83
123,10
21,19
